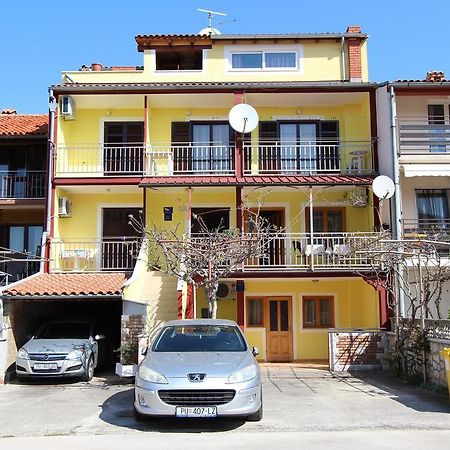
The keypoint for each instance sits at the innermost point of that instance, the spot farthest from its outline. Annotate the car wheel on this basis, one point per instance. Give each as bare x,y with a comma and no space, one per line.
256,416
89,372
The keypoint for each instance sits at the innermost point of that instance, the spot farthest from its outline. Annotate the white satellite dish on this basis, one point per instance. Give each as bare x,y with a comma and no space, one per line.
243,118
383,187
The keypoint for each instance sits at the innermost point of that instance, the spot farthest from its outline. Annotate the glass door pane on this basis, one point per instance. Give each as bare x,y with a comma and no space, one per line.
34,239
200,153
17,238
436,117
220,159
288,150
284,315
308,149
273,310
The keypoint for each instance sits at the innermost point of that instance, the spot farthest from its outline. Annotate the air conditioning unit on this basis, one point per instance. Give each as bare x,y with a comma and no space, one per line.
226,290
67,107
64,207
358,197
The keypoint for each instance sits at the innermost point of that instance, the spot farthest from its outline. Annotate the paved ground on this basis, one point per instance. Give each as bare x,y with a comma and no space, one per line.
301,405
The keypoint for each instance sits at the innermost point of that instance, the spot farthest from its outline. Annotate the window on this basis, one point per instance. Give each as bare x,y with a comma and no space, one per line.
183,59
264,60
210,218
326,220
318,312
436,120
255,312
268,57
432,207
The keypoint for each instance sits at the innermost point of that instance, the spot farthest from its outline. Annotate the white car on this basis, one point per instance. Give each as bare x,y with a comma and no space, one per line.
199,368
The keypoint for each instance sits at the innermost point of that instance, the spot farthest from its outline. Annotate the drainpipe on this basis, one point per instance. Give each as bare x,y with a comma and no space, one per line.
45,254
344,75
397,199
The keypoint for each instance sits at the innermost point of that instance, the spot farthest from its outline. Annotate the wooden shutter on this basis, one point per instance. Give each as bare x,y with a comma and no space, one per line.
268,151
328,155
181,137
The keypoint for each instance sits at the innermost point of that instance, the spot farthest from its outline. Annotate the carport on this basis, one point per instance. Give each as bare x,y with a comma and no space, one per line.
43,297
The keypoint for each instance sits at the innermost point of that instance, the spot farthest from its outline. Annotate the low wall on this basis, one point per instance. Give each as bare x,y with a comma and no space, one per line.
356,349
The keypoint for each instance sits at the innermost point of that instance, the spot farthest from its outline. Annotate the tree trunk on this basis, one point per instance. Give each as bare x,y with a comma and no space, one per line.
211,293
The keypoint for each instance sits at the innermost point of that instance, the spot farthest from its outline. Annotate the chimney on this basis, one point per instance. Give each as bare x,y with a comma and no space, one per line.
354,54
435,76
8,112
96,67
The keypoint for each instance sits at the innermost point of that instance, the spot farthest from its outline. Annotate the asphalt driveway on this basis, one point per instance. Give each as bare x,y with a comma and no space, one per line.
295,400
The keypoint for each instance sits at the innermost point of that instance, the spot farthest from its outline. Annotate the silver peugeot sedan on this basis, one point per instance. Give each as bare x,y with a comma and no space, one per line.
199,368
60,348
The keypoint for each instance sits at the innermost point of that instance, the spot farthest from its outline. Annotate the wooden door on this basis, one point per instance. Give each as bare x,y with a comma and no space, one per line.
279,329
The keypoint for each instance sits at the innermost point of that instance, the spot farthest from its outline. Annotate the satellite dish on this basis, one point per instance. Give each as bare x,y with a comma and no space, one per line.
383,187
243,118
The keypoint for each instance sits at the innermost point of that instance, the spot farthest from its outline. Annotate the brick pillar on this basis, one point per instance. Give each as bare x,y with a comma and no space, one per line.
132,327
354,54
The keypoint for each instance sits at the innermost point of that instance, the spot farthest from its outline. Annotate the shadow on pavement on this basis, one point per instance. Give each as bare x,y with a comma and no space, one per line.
415,397
118,410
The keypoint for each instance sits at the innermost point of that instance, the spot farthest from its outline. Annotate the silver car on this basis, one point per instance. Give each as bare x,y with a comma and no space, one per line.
199,368
64,348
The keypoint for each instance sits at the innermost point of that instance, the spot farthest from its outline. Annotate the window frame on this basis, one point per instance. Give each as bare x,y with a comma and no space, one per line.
316,299
263,50
263,311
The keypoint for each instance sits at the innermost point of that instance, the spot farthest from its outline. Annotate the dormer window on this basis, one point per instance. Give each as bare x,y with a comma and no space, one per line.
179,59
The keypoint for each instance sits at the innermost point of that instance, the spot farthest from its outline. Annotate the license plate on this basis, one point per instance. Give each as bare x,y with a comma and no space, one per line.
45,366
196,411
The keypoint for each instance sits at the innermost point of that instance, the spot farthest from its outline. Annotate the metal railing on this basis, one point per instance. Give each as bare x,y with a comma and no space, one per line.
92,160
29,184
309,157
190,159
434,328
416,228
321,251
420,135
109,254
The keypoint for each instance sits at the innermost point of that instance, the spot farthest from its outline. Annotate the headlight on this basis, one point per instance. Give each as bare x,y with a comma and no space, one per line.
76,354
147,374
23,354
245,374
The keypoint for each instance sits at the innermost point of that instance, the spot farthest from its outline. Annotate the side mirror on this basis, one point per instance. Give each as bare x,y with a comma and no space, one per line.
255,351
98,337
144,351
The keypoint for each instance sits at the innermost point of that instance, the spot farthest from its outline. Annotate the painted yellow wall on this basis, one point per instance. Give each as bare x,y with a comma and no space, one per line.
86,213
226,308
356,306
321,61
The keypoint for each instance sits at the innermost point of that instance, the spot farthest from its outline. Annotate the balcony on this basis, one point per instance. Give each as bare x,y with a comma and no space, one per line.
163,160
319,252
423,136
309,158
112,254
22,185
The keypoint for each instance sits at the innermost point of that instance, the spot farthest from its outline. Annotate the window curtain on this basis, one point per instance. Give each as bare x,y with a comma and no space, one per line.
279,60
432,207
220,160
246,60
200,152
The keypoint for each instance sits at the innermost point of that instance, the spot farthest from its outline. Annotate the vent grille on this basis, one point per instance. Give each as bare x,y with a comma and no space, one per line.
47,356
189,397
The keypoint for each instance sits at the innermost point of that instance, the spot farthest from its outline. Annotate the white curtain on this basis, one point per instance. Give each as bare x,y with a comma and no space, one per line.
280,60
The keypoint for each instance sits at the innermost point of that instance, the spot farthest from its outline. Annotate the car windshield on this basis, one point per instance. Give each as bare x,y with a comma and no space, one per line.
200,338
64,330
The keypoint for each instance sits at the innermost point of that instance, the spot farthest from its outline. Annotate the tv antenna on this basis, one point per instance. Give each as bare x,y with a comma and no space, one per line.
211,14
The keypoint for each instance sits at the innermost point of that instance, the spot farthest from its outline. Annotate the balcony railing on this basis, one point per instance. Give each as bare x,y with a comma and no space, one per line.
190,159
423,135
308,157
322,251
30,184
111,254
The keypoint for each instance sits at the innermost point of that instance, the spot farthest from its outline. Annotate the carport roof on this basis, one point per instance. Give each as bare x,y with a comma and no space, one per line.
68,285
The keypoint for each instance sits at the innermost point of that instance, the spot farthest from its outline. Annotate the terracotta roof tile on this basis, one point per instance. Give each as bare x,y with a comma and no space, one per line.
65,284
23,124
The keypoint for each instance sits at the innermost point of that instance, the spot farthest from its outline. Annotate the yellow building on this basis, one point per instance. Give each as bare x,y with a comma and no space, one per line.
155,142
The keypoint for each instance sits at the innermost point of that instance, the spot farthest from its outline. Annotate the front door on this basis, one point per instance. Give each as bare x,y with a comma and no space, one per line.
279,331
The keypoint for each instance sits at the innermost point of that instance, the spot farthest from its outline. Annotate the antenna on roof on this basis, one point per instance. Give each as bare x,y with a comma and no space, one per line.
211,14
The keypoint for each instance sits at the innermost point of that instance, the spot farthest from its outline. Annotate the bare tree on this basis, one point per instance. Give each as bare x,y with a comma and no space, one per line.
204,258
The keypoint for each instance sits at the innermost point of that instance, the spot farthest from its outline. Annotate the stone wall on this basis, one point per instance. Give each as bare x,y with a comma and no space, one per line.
133,327
356,349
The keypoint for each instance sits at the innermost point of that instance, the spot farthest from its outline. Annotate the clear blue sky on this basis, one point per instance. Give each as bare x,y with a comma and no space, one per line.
39,39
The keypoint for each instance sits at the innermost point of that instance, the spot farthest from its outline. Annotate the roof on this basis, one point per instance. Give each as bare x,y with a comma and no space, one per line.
248,86
68,285
260,180
23,124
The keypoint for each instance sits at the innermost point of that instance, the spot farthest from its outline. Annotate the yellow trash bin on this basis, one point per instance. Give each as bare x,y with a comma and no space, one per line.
446,354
